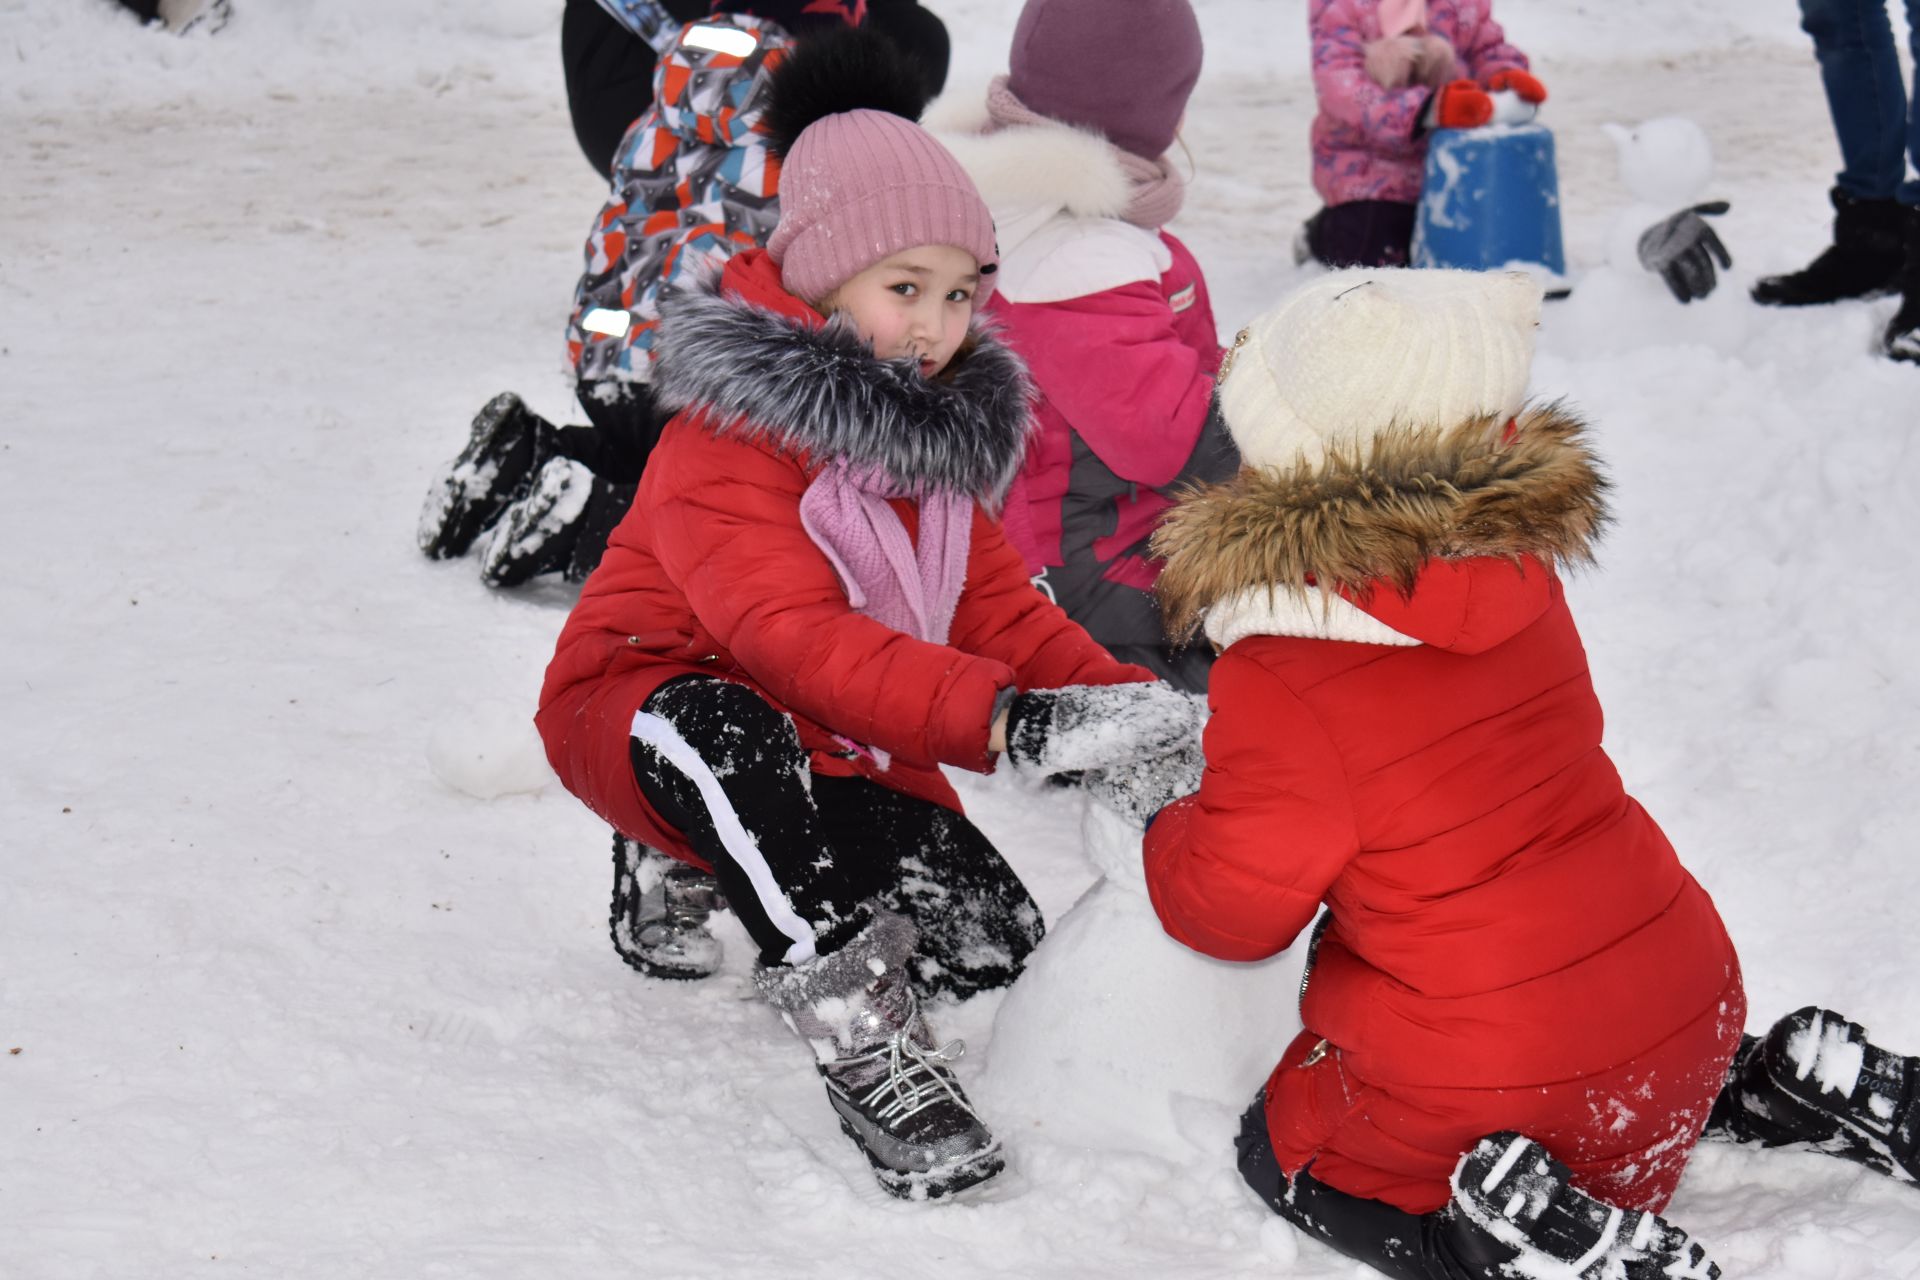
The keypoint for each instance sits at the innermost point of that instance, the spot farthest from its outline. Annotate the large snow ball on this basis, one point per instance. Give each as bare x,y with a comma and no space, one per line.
487,747
1115,1031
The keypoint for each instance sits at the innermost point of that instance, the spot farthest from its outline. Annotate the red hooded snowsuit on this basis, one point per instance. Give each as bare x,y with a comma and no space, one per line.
1513,943
712,573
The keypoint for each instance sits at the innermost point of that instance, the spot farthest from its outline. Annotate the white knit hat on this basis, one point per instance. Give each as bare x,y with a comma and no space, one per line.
1354,352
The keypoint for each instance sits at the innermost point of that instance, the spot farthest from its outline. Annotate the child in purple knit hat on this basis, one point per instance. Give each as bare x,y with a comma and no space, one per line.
810,608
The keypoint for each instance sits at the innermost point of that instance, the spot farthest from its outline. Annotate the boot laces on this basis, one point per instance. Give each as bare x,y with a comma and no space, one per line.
917,1076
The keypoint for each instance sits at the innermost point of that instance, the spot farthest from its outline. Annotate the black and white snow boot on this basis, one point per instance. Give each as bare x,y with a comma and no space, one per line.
660,909
1532,1220
1902,338
606,508
535,534
891,1085
1864,260
494,469
1815,1082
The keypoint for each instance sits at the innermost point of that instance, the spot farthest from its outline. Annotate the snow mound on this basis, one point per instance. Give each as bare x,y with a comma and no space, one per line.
1118,1037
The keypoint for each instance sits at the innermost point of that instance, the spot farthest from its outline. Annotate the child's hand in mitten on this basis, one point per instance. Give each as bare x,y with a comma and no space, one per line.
1681,250
1085,726
1141,788
1519,82
1460,104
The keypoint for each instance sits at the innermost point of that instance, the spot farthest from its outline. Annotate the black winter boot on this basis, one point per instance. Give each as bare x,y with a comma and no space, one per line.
1864,260
1817,1083
658,920
537,532
504,447
1531,1220
606,508
892,1088
1902,340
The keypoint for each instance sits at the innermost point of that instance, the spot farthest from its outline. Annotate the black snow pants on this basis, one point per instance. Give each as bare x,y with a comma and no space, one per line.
1406,1246
801,856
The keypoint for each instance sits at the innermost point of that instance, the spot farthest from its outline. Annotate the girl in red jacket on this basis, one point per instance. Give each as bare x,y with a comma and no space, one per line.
1404,730
810,608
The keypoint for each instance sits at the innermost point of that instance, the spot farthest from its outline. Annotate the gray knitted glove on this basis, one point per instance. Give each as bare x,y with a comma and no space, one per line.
1141,788
1088,726
1681,249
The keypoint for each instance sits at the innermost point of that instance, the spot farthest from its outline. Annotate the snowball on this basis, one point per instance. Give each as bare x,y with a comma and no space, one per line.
487,747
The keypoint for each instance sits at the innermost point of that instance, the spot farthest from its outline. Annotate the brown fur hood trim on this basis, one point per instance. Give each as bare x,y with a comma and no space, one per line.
1350,524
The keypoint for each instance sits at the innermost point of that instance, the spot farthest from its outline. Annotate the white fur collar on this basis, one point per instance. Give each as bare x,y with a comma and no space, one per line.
1052,166
1262,611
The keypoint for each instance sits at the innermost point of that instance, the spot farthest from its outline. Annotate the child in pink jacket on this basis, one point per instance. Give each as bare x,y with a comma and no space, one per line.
1109,311
1387,72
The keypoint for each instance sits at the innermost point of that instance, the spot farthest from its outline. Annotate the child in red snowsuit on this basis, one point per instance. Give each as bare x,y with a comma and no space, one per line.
810,608
1404,730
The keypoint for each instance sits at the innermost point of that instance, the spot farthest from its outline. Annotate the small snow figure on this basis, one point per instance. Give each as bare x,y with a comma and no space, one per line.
1667,162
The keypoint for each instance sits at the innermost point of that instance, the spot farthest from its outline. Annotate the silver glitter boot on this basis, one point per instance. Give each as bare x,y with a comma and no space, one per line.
659,915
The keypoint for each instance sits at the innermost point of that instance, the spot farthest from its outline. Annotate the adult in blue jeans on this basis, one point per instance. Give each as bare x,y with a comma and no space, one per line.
1876,227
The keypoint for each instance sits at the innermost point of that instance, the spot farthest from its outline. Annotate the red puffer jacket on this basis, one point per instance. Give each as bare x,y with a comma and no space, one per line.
712,572
1512,943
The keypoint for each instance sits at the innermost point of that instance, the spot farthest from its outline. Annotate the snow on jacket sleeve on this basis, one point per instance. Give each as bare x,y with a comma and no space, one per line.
1116,367
732,540
1240,867
1346,92
1485,50
1002,615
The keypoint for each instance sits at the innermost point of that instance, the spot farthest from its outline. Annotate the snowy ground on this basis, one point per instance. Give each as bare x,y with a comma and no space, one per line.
281,1003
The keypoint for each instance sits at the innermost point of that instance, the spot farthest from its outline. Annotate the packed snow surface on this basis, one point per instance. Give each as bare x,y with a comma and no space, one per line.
277,1000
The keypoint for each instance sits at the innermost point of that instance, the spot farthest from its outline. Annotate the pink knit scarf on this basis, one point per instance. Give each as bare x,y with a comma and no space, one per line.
911,588
1158,191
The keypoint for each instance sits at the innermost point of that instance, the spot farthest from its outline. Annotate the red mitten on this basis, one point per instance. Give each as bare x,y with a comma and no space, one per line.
1521,82
1462,104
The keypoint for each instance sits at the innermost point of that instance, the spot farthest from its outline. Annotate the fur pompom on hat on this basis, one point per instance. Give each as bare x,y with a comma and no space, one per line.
1355,353
860,180
1122,68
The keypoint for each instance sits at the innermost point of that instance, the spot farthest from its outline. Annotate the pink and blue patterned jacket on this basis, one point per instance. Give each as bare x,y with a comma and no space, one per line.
1365,145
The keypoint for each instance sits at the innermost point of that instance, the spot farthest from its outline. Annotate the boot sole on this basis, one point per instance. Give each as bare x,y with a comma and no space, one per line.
1510,1196
939,1183
468,494
1802,1072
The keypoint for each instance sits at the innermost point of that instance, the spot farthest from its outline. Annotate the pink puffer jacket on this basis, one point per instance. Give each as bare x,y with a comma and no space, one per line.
1364,142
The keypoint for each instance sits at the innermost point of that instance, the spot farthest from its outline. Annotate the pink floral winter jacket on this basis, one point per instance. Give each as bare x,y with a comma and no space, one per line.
1364,143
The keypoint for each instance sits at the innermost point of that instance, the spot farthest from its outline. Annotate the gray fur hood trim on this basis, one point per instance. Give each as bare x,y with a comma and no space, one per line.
820,391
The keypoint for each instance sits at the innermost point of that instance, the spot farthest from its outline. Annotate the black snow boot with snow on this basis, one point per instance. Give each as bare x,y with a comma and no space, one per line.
1515,1211
606,507
1816,1083
495,469
1902,339
1864,261
536,534
891,1085
660,909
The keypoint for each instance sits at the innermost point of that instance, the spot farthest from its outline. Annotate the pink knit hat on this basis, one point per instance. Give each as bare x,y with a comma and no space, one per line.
857,187
1123,68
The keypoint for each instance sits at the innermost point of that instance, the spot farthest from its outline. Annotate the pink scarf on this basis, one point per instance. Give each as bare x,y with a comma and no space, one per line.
1158,191
911,588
